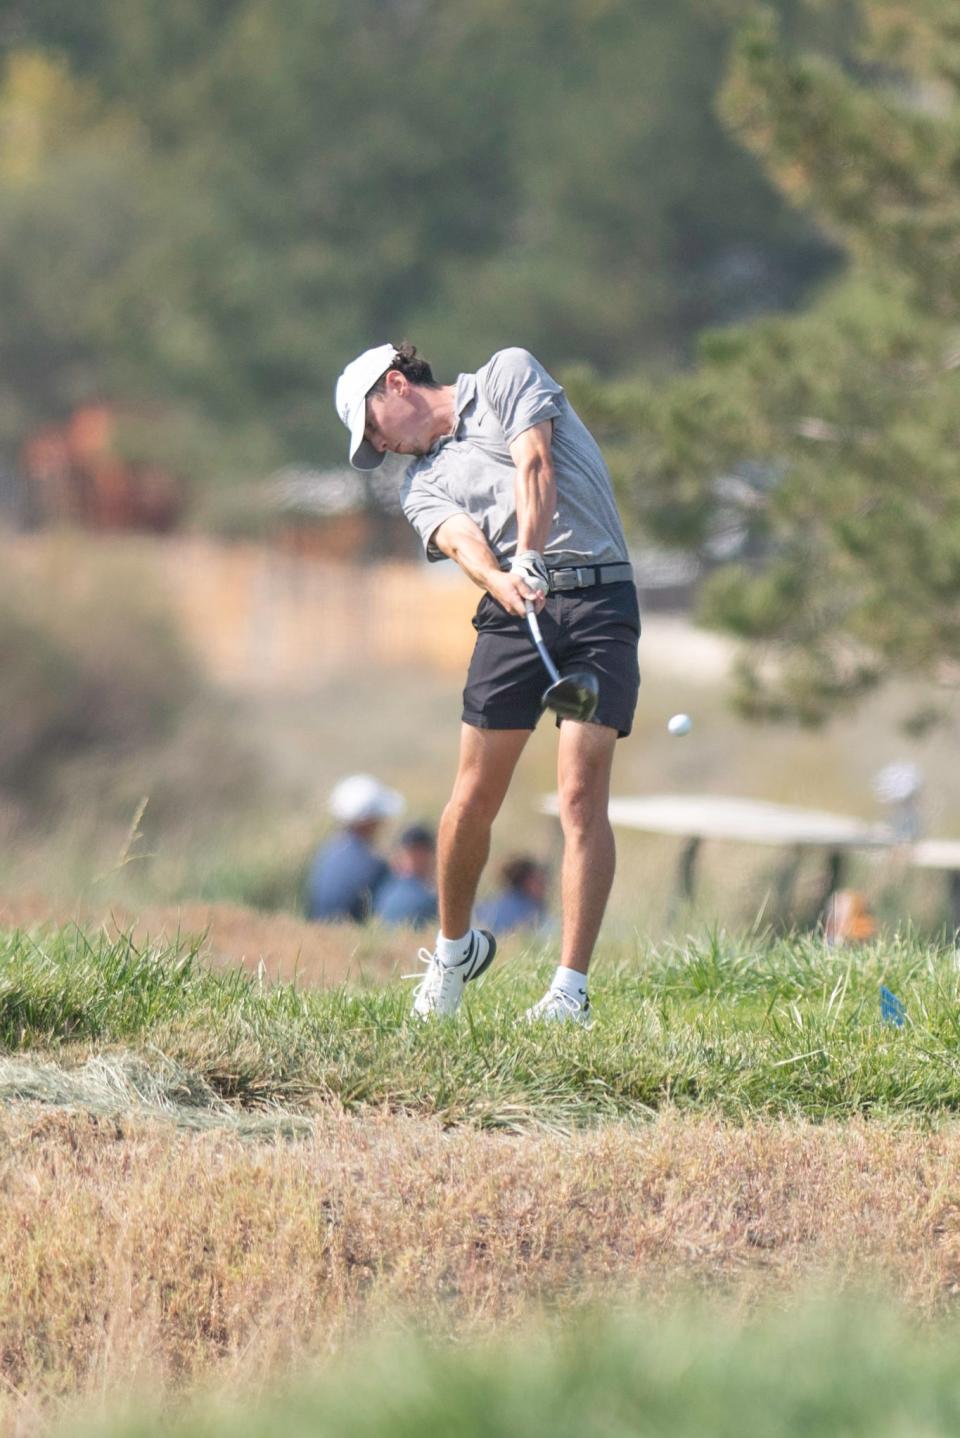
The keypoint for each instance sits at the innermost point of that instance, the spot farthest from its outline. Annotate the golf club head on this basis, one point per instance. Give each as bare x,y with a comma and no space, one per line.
574,696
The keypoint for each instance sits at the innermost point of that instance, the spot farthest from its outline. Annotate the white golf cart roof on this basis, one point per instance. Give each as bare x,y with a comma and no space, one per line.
750,821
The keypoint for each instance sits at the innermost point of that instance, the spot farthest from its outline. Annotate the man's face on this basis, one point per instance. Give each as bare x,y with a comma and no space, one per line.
396,420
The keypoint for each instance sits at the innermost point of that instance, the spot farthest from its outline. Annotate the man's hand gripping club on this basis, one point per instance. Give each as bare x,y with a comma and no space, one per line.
531,580
570,696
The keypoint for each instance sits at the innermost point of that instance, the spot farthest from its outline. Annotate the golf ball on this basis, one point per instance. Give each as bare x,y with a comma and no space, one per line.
679,724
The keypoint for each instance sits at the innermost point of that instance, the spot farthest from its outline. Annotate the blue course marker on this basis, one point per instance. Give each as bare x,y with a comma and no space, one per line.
892,1010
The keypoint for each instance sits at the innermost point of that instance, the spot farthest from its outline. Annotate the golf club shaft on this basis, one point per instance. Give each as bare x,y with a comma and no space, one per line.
532,621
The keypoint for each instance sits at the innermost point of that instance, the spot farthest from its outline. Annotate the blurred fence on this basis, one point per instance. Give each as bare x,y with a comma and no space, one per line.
263,617
260,617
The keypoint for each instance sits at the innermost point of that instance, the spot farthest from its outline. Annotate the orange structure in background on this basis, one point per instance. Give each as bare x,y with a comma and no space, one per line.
75,473
848,919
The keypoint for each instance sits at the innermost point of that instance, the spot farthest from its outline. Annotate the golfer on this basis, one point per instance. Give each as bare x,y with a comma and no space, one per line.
506,480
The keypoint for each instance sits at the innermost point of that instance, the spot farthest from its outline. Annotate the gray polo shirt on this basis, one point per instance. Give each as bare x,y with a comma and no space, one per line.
471,471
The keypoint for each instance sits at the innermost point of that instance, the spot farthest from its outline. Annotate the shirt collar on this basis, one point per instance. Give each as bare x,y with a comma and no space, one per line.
464,392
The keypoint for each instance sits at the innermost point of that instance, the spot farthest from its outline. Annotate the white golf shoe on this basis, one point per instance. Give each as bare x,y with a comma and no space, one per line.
556,1007
441,988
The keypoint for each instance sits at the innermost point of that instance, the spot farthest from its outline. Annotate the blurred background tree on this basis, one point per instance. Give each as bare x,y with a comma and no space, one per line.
209,204
817,455
732,231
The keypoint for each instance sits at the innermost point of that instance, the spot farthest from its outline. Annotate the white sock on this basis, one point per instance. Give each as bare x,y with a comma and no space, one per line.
572,982
451,951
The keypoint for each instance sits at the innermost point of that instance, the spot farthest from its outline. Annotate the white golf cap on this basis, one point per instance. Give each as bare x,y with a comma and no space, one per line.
353,386
360,798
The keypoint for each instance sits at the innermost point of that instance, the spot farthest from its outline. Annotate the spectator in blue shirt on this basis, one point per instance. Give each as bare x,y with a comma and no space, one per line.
347,872
521,902
409,895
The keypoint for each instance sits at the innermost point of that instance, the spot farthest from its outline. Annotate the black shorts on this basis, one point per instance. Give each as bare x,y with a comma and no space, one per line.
596,628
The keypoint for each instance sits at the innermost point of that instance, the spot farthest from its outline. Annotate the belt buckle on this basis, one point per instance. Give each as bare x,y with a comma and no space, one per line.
563,579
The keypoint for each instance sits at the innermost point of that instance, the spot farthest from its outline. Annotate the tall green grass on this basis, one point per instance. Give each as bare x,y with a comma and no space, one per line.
744,1027
821,1371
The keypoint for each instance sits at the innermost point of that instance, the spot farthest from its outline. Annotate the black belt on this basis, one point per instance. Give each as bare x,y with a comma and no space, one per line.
586,575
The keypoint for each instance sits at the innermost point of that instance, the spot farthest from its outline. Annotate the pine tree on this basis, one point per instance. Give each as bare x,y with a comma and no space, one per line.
831,439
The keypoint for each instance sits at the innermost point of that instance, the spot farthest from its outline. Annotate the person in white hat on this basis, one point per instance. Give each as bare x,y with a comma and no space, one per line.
505,479
347,871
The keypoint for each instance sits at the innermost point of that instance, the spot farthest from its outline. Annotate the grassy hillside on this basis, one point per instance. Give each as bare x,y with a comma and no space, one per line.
742,1027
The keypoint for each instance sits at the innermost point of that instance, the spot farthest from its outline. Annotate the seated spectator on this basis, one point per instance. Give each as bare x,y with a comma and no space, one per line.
346,871
408,895
522,902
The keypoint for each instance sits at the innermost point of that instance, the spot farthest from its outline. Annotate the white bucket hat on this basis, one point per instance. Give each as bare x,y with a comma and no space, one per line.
360,798
353,386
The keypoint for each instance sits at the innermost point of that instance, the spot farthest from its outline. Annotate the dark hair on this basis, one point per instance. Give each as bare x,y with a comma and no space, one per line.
518,870
413,366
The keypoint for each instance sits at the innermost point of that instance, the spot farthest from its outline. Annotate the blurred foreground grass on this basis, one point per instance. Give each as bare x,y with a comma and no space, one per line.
743,1027
827,1368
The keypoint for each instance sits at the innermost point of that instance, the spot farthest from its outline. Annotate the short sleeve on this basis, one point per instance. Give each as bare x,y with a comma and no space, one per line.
519,391
426,508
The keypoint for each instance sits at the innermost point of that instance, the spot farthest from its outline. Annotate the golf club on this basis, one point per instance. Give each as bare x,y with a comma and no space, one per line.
574,696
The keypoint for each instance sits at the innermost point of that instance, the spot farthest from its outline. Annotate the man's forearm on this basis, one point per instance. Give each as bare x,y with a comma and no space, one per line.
475,558
463,541
536,492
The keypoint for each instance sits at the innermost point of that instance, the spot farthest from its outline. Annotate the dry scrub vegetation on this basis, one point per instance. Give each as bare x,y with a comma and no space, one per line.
133,1254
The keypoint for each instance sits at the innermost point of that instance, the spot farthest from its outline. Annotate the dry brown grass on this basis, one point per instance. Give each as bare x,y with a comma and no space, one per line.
130,1253
288,947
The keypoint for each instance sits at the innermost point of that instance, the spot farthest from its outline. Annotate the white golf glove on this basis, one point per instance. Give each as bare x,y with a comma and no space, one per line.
531,568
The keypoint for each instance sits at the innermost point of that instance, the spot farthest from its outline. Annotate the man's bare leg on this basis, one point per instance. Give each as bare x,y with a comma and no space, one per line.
488,758
589,856
487,761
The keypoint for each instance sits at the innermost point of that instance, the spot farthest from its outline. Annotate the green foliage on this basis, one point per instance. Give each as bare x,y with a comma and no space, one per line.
742,1028
851,407
243,197
69,192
